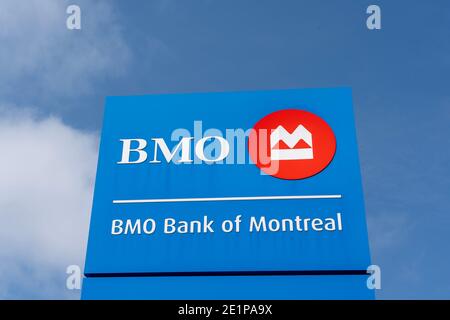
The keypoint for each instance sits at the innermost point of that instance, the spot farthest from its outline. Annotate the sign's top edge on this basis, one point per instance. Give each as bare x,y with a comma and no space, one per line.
262,91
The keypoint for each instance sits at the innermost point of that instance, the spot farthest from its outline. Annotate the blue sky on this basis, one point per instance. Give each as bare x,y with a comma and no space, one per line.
53,83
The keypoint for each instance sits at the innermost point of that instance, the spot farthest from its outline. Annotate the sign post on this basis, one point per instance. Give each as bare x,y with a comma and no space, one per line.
247,195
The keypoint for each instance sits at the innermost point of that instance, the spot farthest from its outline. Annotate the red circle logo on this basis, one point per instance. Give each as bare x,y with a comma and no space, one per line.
292,144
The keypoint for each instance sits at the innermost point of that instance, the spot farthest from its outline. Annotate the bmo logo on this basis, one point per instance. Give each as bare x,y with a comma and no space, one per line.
288,144
292,144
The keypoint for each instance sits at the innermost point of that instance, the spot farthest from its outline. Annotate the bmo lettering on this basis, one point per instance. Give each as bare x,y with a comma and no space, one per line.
138,147
133,227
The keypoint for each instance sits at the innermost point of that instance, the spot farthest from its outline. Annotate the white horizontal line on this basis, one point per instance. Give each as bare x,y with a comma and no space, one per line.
330,196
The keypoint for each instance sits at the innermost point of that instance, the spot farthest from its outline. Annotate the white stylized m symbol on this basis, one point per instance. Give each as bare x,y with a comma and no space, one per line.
291,140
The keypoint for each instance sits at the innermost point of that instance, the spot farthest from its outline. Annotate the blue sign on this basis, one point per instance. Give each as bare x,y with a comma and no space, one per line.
227,183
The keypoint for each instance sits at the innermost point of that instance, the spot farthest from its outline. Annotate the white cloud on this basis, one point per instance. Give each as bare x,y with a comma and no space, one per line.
42,56
46,167
47,172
